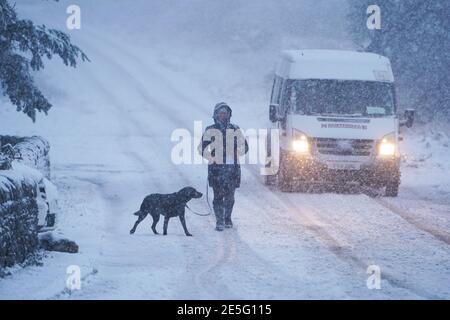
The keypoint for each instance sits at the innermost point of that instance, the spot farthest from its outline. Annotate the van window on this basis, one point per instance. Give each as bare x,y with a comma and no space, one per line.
342,97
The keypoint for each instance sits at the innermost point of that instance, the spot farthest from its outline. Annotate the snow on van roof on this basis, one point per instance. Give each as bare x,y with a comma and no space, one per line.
334,64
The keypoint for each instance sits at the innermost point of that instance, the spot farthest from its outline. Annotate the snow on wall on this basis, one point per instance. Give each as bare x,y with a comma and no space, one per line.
19,182
32,151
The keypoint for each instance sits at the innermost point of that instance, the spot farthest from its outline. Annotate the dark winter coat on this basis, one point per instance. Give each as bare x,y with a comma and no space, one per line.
227,172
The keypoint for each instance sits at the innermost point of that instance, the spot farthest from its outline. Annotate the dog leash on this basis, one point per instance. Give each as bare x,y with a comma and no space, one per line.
207,200
199,214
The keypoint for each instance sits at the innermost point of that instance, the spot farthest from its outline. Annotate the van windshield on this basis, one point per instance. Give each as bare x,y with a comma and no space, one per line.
340,97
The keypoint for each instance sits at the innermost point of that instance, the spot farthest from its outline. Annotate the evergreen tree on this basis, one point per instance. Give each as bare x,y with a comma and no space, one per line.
415,36
23,45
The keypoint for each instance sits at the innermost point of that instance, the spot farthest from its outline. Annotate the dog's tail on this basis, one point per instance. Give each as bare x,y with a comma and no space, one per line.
137,213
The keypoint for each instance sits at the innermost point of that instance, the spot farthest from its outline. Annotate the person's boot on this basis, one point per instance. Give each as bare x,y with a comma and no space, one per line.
220,218
228,223
228,209
220,226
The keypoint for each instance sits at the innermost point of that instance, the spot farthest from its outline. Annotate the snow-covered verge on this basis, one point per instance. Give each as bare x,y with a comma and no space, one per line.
426,153
424,198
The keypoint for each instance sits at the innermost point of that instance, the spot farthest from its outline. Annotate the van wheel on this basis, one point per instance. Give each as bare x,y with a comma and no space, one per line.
392,188
285,186
304,187
50,219
270,180
285,181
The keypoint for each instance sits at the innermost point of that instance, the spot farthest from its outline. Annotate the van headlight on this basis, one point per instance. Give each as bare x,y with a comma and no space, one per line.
300,142
387,146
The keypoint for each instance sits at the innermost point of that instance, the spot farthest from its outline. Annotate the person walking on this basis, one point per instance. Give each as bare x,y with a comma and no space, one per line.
222,144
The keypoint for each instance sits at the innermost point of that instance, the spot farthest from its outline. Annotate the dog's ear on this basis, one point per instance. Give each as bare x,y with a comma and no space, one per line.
189,193
183,191
186,193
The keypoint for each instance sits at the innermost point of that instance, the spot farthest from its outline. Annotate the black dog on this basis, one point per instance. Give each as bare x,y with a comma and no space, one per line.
168,205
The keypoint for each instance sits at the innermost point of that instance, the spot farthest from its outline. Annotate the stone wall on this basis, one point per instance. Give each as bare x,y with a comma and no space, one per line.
18,198
18,231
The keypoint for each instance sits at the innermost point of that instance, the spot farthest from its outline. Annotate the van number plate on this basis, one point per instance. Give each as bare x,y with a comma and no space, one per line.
343,166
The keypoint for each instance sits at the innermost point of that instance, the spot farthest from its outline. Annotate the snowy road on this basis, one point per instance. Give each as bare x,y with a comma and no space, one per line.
284,246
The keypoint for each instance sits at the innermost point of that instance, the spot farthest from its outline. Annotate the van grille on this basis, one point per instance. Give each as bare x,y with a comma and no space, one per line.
344,147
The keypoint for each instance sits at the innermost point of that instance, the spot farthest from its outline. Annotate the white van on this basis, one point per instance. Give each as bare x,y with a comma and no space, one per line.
336,114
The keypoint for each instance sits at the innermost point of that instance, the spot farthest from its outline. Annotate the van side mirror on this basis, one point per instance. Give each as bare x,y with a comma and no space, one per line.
273,113
408,118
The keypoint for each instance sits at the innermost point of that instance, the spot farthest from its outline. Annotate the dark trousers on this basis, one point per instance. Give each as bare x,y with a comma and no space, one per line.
223,203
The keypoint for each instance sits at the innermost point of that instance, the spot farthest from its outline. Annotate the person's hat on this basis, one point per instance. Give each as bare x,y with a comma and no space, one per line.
222,106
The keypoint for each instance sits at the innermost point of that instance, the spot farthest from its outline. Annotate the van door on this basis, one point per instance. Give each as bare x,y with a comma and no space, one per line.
283,124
